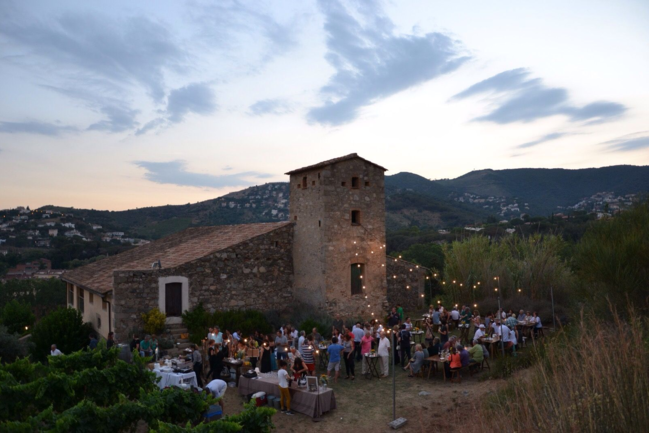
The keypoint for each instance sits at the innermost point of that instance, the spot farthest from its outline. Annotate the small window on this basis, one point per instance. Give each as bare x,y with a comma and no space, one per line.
318,175
355,183
276,244
367,183
299,186
295,218
357,272
91,298
343,183
98,321
313,183
356,217
80,302
304,182
104,305
319,223
71,295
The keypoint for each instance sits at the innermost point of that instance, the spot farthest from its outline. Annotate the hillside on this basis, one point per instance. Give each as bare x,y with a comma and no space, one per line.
544,190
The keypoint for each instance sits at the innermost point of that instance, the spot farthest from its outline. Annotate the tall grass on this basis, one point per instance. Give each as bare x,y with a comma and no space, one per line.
593,378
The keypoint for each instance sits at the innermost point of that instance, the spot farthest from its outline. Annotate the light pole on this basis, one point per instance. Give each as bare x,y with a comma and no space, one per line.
502,342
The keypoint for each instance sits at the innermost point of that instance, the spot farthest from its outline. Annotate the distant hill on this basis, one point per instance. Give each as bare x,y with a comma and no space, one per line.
410,200
545,190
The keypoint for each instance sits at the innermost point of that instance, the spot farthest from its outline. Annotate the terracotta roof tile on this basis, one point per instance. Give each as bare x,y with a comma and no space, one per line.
174,250
334,161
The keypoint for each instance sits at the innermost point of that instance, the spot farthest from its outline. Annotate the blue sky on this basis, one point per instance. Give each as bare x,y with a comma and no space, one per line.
116,105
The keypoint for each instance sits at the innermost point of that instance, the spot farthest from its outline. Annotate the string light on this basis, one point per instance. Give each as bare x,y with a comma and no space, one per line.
453,281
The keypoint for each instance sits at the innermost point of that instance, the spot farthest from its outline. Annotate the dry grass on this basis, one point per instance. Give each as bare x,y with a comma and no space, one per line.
594,378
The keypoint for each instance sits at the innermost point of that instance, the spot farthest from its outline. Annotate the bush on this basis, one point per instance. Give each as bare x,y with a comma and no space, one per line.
154,321
308,325
17,317
247,321
63,327
11,347
197,321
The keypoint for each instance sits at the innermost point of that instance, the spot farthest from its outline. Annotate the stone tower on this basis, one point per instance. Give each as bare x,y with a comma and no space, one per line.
338,207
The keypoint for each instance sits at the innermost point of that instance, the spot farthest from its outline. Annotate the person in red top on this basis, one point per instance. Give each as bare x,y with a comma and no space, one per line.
366,347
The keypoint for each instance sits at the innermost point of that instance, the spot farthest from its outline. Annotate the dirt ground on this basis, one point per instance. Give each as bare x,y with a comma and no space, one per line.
366,405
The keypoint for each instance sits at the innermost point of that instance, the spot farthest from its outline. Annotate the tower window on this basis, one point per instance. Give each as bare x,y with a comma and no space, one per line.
367,184
313,182
355,183
343,183
357,275
295,218
356,217
304,182
319,223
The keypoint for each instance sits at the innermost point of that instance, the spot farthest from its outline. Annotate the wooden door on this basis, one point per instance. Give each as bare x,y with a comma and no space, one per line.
173,299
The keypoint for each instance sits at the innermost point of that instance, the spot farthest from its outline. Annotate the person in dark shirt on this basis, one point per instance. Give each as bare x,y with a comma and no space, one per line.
135,344
435,347
404,343
93,342
110,341
393,318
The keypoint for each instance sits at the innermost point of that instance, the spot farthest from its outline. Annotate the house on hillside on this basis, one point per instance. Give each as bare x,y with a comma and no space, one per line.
330,255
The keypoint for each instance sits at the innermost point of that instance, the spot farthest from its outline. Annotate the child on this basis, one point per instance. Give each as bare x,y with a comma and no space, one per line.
284,392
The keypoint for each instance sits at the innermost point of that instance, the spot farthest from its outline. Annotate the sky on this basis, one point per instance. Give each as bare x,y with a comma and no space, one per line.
118,105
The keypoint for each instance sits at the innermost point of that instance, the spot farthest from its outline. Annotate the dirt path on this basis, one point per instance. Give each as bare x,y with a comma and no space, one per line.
366,405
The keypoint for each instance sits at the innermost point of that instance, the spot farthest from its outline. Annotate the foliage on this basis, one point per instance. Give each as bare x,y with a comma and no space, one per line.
154,321
17,317
43,295
11,347
308,325
63,327
247,321
429,255
613,260
251,420
593,378
532,264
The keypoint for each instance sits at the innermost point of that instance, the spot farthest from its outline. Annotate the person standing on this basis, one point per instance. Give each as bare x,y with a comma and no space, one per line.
110,341
393,318
334,351
266,353
404,342
197,359
348,356
54,351
384,354
400,312
366,348
135,344
93,342
300,341
281,346
358,332
307,355
211,359
284,392
443,332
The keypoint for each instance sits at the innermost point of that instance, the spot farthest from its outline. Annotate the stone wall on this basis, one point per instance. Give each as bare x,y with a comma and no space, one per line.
408,286
327,244
256,274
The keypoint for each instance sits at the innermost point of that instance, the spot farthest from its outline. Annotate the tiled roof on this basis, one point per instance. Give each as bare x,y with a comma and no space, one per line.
334,161
174,250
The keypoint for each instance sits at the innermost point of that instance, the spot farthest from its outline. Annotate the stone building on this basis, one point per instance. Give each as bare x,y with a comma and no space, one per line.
330,254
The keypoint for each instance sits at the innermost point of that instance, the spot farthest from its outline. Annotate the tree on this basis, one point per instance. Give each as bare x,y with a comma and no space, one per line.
17,317
11,347
63,327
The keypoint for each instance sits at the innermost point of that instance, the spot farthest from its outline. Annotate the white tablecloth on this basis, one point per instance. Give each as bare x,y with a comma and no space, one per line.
175,379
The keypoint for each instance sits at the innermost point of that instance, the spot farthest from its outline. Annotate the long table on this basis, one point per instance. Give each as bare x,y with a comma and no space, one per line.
313,404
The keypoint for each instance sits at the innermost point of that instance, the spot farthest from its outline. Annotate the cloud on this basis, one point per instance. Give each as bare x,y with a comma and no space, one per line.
630,142
174,172
519,98
227,168
41,128
120,119
270,106
194,98
547,137
373,63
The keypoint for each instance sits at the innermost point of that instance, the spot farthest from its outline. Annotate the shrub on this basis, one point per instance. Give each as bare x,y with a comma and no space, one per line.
308,325
154,321
11,347
247,321
17,317
63,327
197,321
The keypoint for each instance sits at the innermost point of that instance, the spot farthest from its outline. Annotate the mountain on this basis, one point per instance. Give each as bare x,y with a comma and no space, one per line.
411,200
543,190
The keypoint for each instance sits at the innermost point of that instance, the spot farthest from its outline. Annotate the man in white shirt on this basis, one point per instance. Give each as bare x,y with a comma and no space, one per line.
217,388
54,351
408,324
358,332
479,333
218,335
300,341
384,354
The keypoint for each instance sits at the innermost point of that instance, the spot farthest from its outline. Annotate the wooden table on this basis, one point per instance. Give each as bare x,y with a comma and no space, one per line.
416,334
372,363
236,365
492,342
436,358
